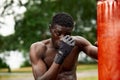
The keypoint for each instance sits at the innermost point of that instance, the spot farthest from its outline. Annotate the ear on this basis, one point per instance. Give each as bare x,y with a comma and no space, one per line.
73,29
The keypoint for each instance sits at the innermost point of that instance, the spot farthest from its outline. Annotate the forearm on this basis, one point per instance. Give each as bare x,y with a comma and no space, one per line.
93,52
51,73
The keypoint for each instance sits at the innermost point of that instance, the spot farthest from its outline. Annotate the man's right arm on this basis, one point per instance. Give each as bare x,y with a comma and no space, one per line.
39,68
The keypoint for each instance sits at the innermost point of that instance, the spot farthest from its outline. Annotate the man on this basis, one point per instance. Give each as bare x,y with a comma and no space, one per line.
56,58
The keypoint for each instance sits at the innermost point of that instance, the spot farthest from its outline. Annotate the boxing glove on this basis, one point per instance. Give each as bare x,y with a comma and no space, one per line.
65,47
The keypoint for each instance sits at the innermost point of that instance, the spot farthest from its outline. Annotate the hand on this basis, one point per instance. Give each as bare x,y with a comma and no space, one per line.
66,45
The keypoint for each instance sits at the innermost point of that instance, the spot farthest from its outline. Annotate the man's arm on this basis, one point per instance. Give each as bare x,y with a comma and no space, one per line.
87,47
91,51
39,68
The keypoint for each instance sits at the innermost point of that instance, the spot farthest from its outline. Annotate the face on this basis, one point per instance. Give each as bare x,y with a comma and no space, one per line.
57,32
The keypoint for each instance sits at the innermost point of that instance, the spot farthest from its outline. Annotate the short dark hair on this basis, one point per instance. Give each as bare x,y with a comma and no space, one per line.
62,19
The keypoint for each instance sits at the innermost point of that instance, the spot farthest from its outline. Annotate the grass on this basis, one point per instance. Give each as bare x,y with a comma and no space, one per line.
86,67
89,78
80,68
24,69
11,77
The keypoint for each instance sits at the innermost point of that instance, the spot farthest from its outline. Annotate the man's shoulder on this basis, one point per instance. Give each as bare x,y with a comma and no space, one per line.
40,45
81,41
38,49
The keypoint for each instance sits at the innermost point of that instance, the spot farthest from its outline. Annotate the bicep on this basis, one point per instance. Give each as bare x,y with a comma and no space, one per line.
38,65
86,47
39,68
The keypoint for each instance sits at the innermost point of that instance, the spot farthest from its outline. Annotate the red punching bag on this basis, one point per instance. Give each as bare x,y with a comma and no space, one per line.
108,35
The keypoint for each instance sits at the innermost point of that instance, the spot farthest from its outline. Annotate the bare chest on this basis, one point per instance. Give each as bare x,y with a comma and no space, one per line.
69,62
49,57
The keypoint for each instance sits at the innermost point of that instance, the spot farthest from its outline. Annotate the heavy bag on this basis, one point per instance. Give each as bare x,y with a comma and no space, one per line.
108,36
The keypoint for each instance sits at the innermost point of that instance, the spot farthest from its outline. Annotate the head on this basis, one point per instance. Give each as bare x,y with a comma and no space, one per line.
62,24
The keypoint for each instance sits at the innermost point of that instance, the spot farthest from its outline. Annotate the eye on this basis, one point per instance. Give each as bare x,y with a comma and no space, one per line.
68,33
58,33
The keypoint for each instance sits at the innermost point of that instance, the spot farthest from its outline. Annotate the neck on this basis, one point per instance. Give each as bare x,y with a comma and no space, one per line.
53,44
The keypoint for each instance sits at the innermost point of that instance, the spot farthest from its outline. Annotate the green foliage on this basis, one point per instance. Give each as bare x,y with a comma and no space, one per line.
1,43
3,64
35,24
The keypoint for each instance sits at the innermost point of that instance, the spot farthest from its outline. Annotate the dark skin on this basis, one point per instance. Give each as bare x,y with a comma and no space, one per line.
42,55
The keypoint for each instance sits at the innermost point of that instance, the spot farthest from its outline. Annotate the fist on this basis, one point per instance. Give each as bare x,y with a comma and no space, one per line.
66,45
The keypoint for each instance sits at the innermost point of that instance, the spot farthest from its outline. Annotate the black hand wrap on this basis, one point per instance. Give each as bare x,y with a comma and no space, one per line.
66,46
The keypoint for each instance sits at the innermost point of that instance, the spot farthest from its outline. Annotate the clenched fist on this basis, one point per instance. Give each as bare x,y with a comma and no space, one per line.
66,45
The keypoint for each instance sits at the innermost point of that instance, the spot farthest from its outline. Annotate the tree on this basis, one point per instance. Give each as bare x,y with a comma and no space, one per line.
9,8
34,26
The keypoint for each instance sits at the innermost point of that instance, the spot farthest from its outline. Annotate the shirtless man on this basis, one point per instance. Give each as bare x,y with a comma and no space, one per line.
56,58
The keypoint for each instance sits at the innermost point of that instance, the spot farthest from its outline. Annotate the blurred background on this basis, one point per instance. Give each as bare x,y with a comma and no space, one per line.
23,22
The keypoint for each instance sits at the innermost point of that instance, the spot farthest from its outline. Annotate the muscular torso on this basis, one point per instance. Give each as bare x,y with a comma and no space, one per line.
68,68
42,58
